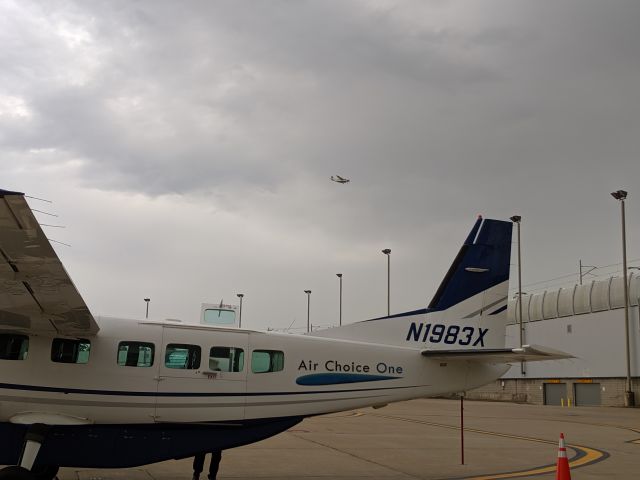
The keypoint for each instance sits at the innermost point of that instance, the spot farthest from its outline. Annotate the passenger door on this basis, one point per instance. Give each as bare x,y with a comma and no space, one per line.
202,375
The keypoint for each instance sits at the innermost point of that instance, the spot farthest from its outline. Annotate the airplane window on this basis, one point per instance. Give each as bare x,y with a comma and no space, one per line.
219,316
65,350
182,356
135,354
226,359
263,361
13,347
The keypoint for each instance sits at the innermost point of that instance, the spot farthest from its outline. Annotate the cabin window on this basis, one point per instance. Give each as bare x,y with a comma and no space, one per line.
263,361
135,354
65,350
13,347
226,359
182,356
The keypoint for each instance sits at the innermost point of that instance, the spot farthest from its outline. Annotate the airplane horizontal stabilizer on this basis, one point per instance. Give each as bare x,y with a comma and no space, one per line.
528,353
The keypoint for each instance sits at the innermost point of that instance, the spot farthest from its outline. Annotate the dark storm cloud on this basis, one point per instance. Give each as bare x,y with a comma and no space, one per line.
220,88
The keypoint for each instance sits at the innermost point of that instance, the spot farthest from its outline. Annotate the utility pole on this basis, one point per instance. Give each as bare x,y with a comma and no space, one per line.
590,267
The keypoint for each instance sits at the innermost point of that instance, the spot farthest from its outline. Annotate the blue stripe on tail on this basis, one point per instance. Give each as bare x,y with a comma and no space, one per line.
487,250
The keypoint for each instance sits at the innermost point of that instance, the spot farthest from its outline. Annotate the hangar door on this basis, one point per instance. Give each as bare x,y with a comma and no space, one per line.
587,394
554,393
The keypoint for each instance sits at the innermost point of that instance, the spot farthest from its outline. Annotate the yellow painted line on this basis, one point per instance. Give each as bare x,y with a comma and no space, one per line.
589,455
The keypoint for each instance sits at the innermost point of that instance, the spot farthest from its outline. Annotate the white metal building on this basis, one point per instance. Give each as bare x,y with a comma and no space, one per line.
586,321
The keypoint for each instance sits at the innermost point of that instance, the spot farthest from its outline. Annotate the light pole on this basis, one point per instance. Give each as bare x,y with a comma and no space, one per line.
308,292
629,398
387,252
147,300
517,219
339,275
240,296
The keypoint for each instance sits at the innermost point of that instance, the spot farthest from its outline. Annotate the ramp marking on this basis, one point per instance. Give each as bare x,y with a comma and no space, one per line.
583,455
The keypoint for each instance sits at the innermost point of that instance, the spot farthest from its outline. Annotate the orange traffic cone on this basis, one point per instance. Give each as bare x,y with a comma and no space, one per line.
562,470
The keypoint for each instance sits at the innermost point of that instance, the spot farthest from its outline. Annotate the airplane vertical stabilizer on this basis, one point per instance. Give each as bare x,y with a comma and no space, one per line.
468,310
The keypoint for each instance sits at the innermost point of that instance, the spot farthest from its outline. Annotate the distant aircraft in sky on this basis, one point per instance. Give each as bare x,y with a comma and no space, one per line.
339,179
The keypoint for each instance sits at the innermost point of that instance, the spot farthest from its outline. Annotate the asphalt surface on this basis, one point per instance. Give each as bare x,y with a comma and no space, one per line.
420,439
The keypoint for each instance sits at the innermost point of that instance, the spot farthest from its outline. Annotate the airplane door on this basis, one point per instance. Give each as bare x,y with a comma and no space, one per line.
202,375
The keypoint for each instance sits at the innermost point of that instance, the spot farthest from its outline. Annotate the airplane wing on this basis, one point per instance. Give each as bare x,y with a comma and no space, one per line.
36,293
528,353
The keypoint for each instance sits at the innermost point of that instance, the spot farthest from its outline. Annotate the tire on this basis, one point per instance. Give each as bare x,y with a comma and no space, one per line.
16,473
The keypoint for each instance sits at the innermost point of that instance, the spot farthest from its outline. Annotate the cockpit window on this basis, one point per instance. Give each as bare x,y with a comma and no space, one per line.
13,347
219,316
65,350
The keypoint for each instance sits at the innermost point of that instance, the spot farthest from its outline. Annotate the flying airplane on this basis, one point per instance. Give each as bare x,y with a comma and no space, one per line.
339,179
100,392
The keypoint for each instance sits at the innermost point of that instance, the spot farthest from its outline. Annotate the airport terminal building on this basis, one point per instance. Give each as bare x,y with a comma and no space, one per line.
586,321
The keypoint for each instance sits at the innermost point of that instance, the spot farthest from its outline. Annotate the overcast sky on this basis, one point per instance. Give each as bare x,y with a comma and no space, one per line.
187,146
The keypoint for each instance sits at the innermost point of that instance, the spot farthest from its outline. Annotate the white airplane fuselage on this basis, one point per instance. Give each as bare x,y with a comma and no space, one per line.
84,391
103,392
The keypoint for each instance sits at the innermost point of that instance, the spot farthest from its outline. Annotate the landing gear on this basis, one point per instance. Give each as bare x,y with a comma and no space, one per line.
20,473
27,469
16,473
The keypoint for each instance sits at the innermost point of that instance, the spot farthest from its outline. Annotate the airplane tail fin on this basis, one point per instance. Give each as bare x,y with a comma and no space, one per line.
481,265
469,309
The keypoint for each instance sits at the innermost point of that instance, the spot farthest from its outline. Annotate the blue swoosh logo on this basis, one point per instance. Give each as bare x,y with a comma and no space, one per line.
337,378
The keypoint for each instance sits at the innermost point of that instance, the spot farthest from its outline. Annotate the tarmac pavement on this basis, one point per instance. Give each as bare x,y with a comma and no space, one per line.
420,439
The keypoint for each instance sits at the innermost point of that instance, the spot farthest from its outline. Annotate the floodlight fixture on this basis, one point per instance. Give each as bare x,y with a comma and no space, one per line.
619,195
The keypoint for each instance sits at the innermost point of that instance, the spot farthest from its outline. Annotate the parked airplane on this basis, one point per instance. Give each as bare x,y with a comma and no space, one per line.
81,391
339,179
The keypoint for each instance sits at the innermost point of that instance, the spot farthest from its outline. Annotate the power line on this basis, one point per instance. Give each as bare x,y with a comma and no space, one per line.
549,283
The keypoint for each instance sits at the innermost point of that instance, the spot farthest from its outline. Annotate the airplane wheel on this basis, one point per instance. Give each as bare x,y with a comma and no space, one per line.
45,472
16,473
